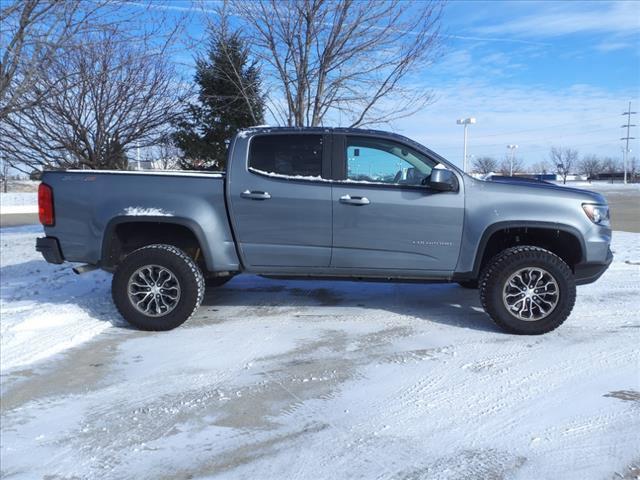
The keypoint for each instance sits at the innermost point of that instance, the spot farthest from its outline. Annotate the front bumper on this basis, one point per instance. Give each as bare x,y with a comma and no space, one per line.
589,272
50,249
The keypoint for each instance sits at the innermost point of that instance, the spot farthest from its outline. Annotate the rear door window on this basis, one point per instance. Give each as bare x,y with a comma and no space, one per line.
286,155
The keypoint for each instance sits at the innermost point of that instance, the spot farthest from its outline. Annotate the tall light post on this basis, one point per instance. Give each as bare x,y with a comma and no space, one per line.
628,126
465,122
513,154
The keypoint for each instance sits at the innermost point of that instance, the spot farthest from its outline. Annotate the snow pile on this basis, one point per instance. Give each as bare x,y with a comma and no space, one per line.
315,178
45,308
146,212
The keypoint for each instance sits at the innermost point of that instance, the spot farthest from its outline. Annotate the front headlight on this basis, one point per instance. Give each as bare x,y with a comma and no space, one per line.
598,214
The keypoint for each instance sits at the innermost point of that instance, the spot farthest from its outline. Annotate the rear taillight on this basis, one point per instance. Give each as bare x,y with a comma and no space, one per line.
45,205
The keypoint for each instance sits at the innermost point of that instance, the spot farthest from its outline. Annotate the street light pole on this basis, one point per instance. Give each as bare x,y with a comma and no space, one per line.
625,157
466,122
513,153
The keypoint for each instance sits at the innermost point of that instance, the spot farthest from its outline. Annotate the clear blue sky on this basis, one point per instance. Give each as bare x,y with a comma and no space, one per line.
535,74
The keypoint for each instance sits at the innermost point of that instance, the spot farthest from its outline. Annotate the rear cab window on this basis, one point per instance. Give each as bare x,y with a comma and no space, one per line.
287,156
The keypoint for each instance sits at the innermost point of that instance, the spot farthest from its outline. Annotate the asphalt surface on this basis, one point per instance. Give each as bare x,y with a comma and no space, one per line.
18,219
625,210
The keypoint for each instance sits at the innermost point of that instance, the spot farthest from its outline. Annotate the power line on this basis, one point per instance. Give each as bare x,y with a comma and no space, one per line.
628,126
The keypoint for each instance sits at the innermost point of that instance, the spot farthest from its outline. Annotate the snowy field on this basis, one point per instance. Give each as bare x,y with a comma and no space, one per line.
314,380
18,202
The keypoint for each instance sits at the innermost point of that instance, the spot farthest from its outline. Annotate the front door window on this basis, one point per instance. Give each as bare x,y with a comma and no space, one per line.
374,160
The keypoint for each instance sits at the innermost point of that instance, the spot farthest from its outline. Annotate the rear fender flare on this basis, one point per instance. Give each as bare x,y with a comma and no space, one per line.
193,226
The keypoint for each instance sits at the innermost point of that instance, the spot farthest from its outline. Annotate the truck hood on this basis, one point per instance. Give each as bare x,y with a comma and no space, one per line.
542,188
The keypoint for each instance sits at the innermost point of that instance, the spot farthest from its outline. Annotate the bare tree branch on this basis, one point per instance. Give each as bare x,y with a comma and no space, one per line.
35,32
565,160
119,97
485,165
323,58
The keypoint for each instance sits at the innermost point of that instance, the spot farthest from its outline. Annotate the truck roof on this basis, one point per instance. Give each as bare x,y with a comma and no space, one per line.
260,129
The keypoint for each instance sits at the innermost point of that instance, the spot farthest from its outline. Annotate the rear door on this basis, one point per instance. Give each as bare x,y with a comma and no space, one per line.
384,218
280,204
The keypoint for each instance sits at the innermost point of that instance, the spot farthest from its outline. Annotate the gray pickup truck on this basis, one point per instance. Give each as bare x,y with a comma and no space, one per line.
344,204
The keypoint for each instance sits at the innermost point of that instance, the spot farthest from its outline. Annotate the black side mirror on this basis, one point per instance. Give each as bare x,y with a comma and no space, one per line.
443,180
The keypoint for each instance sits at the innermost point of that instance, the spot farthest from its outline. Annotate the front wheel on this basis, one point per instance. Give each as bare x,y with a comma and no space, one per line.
157,287
528,290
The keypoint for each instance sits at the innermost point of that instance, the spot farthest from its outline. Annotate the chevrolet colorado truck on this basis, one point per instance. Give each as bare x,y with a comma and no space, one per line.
343,204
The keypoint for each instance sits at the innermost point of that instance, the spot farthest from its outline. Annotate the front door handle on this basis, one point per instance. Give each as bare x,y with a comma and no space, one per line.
254,195
349,200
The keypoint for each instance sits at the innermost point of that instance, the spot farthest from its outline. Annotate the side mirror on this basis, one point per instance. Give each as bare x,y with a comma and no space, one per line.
443,180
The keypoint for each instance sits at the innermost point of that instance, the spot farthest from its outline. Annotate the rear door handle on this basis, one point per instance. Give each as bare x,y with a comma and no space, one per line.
349,200
255,195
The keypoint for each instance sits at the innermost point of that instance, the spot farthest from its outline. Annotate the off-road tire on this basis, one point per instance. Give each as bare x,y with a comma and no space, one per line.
186,272
503,265
470,284
214,282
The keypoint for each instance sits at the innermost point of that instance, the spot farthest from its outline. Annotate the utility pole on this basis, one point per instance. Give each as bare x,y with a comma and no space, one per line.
513,154
628,126
466,122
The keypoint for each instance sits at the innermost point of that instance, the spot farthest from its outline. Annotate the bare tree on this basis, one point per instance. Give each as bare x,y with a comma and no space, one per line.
565,160
33,33
611,166
36,32
541,167
485,165
590,166
342,58
121,96
506,167
632,166
4,174
164,156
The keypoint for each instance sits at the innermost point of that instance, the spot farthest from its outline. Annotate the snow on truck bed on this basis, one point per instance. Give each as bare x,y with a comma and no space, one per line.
293,379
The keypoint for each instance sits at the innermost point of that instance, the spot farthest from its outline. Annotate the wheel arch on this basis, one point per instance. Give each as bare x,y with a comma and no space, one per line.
145,227
561,239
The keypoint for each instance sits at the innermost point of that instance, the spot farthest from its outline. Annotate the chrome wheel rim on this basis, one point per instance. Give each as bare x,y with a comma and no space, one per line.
153,290
531,294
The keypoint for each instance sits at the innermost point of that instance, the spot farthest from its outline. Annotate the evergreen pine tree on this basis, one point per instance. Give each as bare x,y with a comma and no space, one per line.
228,100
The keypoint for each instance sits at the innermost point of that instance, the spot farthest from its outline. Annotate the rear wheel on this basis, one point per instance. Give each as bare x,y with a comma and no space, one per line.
157,287
528,290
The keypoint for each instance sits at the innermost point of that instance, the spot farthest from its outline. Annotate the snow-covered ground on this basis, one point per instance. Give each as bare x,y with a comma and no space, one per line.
308,380
602,186
18,202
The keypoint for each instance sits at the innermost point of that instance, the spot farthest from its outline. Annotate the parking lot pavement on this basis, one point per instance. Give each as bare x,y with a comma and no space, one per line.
18,219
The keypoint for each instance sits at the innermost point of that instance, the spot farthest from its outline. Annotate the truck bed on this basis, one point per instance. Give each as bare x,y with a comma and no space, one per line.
88,204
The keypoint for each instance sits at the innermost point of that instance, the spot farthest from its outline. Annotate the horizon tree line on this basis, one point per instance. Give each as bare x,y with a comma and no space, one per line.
562,161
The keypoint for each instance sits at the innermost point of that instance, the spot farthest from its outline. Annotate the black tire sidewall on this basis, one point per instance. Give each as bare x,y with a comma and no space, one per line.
180,265
495,280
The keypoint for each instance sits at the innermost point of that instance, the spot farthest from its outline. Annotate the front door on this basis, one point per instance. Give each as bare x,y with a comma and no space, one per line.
280,206
385,218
